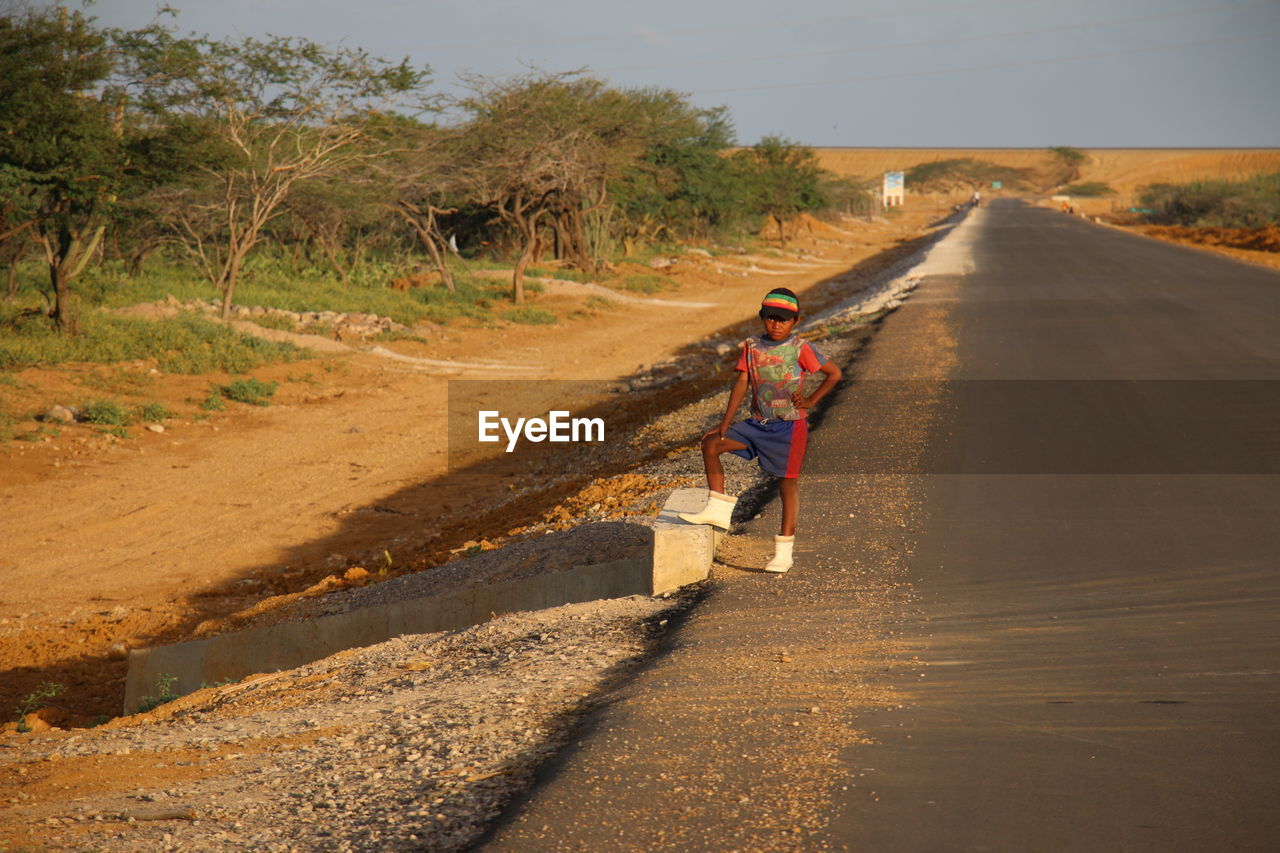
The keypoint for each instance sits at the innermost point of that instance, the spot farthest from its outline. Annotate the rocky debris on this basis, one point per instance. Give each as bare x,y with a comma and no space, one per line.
344,326
414,744
661,374
60,415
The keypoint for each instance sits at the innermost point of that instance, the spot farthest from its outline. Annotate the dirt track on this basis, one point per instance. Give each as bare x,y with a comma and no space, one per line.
111,545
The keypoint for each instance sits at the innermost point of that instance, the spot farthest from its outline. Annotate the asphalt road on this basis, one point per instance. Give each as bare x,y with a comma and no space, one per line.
1037,596
1100,572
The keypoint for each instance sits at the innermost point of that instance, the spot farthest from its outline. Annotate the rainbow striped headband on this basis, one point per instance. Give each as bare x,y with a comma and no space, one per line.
781,300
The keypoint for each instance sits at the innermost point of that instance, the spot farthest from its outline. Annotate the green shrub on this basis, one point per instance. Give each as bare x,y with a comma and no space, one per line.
273,321
164,693
643,283
36,700
214,402
1250,203
153,412
7,421
1088,189
186,344
529,316
42,431
104,413
253,392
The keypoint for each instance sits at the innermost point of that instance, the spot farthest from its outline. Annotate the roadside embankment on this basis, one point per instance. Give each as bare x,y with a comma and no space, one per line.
425,736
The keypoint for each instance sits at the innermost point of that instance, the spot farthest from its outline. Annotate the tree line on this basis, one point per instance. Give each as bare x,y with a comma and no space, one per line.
120,143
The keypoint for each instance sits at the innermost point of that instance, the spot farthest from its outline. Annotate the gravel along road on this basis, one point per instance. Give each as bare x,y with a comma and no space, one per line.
414,744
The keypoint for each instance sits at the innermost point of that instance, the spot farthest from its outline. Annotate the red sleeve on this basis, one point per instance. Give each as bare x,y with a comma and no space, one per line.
742,359
810,360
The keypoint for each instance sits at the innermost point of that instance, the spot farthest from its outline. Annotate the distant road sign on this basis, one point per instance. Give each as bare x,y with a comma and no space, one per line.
894,189
997,185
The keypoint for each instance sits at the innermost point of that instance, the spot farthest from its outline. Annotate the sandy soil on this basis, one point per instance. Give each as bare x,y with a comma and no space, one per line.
1125,169
111,544
1253,245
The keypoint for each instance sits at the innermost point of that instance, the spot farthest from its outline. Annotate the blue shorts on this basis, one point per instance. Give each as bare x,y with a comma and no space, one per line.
778,446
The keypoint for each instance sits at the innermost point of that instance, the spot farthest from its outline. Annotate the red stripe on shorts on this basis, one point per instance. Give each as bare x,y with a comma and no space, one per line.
799,441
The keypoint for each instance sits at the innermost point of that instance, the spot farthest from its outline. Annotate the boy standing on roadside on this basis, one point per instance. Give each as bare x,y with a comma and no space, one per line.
772,366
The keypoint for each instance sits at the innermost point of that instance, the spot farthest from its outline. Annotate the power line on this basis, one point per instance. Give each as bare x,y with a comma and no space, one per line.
992,67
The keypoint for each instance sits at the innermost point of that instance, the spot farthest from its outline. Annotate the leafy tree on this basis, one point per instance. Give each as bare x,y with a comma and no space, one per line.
682,184
965,172
338,215
786,178
62,153
281,112
1089,189
849,195
422,185
1068,161
540,150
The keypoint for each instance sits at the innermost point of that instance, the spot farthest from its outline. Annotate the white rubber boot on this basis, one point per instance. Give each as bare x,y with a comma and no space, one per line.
781,561
717,512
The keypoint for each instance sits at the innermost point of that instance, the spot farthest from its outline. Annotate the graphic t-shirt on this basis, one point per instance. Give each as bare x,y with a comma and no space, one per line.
775,371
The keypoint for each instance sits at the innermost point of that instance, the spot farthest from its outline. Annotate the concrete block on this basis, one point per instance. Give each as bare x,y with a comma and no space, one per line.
681,554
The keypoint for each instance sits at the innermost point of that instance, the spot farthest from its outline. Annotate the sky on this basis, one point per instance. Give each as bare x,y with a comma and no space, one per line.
861,73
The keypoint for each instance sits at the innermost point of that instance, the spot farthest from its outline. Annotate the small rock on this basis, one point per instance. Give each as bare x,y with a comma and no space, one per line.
155,427
33,723
59,414
118,651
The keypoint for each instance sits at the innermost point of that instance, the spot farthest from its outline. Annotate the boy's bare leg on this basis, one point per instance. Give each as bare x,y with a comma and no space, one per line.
789,489
712,447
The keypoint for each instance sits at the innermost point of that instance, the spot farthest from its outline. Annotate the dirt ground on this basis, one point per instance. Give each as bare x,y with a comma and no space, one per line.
1254,245
1126,170
117,543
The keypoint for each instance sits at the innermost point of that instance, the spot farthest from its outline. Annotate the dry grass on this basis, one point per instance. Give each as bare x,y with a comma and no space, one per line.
1125,169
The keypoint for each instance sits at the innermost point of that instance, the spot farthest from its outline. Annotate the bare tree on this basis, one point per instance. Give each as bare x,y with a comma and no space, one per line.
423,183
285,111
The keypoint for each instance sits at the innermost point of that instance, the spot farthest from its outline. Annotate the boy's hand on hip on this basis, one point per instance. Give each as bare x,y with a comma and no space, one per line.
801,401
718,432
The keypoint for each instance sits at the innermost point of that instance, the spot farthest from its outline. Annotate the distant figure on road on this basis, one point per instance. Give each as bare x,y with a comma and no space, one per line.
977,199
772,366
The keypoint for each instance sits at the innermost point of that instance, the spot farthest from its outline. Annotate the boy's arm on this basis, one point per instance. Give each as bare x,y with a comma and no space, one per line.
735,400
832,376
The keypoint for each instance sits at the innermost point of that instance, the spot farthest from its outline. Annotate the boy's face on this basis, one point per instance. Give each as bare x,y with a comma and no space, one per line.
776,326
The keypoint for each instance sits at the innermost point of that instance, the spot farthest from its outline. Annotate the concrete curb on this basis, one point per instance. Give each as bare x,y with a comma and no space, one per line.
681,554
894,284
